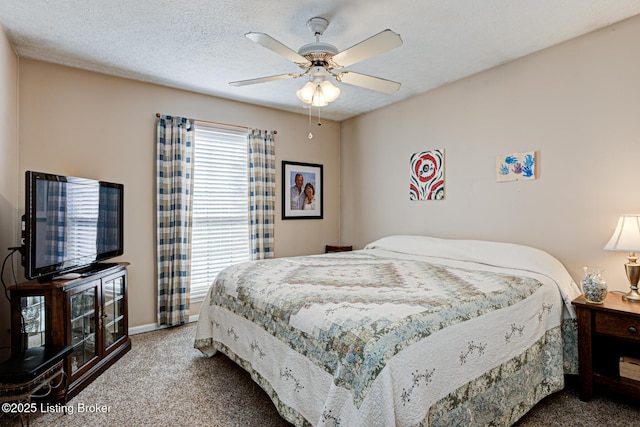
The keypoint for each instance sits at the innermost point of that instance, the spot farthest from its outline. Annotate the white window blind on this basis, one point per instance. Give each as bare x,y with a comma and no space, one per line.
82,222
220,227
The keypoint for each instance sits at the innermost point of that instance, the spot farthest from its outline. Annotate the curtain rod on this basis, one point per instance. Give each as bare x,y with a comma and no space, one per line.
220,124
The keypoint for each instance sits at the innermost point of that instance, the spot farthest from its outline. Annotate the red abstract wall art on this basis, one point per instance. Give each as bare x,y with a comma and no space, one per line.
427,175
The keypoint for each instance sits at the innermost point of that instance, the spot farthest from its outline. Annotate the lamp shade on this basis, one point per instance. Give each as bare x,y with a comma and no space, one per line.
306,93
318,98
330,92
318,93
626,237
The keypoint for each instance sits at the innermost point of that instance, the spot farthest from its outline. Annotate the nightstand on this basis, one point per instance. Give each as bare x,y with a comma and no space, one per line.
330,248
607,332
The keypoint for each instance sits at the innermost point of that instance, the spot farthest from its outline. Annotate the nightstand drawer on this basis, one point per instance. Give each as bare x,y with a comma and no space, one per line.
618,326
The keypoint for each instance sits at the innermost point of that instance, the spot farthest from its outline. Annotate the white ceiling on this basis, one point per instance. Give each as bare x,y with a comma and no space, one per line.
199,45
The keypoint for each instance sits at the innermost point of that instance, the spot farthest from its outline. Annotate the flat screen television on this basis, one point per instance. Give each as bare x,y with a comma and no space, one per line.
70,224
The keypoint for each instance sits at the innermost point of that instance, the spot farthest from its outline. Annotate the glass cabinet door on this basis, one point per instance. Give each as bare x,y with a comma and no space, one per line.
83,327
113,298
33,321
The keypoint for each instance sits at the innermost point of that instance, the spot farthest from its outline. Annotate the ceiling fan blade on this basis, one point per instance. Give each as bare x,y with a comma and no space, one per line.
277,47
374,45
264,79
368,82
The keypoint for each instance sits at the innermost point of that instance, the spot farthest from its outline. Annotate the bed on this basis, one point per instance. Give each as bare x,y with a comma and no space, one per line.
410,330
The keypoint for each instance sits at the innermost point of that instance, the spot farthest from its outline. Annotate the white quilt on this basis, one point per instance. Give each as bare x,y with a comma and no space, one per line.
409,331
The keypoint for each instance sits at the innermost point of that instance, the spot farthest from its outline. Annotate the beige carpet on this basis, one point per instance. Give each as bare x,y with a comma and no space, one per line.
164,381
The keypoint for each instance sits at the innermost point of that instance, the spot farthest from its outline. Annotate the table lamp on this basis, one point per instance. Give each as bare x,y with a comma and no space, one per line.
626,238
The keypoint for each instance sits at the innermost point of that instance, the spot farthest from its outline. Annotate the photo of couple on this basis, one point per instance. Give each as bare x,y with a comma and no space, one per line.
302,197
301,190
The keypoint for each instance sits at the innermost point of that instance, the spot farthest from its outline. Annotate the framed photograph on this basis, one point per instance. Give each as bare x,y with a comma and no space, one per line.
301,190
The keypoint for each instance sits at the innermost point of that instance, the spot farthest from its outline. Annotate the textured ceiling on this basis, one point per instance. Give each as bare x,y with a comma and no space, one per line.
199,45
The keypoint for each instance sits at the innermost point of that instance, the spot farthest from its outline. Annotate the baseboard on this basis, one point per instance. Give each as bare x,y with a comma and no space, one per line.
155,327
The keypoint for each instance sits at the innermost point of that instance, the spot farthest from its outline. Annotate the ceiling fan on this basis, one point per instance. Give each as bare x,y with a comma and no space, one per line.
321,59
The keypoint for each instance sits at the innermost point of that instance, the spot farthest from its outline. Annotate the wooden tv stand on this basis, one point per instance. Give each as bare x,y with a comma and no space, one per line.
89,313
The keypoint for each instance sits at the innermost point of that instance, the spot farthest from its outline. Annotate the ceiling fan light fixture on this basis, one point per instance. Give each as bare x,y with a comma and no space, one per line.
318,94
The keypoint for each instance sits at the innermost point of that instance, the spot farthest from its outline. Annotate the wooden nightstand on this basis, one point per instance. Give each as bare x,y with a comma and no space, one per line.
330,248
607,332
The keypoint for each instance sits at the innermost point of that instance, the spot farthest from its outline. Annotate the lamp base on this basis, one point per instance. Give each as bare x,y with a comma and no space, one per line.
632,296
632,268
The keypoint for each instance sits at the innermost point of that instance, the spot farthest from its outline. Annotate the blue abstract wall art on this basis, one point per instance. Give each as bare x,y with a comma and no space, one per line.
516,167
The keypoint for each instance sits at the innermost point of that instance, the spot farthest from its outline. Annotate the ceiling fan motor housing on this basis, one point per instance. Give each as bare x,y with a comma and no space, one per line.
317,48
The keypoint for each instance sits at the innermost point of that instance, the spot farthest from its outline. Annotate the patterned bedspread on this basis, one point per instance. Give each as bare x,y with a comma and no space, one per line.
379,337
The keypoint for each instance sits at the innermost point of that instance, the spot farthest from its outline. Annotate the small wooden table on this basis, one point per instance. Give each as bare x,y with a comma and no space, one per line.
332,248
35,373
607,332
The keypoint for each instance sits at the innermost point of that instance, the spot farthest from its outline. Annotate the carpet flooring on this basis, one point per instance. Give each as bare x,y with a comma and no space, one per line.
164,381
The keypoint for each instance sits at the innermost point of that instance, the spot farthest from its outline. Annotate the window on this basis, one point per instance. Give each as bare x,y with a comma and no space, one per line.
220,227
82,202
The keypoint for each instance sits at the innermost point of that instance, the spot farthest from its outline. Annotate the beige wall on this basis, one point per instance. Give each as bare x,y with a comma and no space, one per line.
85,124
576,104
9,232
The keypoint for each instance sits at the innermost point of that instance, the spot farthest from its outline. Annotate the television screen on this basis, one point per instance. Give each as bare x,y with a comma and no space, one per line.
70,223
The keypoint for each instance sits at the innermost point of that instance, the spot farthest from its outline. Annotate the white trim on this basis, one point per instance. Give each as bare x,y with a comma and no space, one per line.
155,327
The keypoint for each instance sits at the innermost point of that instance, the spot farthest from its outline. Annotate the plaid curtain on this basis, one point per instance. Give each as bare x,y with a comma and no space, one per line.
174,182
107,234
262,192
56,218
